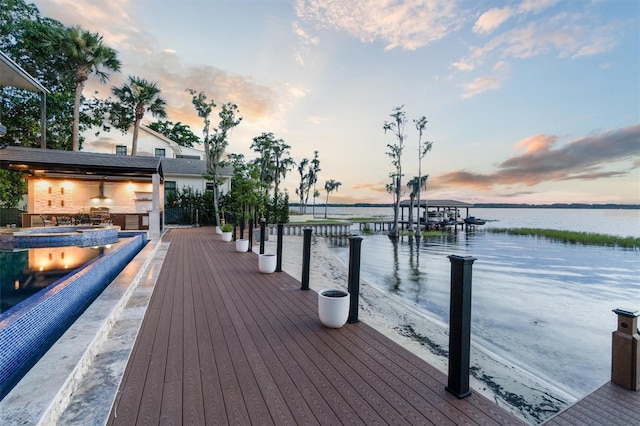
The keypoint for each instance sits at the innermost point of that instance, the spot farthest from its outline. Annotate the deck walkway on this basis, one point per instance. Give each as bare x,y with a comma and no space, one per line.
608,405
223,344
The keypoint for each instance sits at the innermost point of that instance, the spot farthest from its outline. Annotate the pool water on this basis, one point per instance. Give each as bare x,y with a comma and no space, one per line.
24,272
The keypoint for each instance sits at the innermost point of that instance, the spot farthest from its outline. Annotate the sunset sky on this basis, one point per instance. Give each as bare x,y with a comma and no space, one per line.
536,101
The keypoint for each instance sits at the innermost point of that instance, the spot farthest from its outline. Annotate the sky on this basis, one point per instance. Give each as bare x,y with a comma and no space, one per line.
533,101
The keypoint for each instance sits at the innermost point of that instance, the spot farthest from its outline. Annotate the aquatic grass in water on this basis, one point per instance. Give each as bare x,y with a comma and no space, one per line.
425,234
572,237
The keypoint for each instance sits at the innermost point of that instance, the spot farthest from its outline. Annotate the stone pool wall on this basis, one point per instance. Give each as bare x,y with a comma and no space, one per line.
59,236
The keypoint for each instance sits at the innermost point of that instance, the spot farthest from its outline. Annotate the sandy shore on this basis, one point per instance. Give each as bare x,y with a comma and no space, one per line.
510,387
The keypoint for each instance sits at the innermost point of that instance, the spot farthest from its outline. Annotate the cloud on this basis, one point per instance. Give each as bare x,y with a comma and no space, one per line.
463,65
317,119
565,34
482,84
379,186
607,155
296,91
492,19
535,6
408,24
537,143
464,178
479,85
303,35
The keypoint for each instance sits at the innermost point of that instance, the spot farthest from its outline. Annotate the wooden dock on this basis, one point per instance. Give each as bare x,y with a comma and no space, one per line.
222,343
609,405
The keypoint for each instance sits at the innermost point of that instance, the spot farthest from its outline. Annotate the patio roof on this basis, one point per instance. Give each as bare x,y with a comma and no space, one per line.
11,74
436,203
38,162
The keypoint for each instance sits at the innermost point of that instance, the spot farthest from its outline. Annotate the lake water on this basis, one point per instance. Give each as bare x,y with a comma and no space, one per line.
543,306
621,222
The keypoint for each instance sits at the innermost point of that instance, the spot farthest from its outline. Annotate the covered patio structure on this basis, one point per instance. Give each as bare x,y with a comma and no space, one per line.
67,186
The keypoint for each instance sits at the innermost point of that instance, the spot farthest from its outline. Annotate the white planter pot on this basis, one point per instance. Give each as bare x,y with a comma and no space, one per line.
242,245
227,236
333,307
267,263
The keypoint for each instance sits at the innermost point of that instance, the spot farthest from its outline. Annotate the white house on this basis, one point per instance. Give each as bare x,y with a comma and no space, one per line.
150,144
182,166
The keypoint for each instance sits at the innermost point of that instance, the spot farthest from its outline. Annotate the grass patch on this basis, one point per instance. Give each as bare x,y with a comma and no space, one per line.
323,221
572,237
425,234
435,233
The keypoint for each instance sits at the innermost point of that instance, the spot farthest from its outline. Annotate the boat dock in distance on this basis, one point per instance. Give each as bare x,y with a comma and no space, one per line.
431,214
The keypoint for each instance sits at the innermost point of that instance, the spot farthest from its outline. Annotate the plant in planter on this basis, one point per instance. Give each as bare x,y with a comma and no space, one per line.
267,263
333,307
227,232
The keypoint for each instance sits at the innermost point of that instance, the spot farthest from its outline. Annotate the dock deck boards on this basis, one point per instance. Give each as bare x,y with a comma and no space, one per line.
223,343
608,405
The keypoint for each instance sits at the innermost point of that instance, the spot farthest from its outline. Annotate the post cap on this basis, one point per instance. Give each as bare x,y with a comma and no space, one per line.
627,312
466,259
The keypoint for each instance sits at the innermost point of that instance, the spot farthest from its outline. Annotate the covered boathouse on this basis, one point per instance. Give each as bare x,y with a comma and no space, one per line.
436,208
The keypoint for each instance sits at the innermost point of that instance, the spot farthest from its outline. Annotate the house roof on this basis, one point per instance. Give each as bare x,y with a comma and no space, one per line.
187,166
11,74
36,161
436,203
183,166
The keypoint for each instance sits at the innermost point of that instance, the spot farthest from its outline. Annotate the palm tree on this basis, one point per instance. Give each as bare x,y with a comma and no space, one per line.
87,54
330,186
139,96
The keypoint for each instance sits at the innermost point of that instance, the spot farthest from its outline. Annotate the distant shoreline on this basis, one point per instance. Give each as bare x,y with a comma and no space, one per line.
503,206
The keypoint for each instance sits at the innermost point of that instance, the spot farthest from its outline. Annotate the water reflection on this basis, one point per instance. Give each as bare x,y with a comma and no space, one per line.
25,272
393,279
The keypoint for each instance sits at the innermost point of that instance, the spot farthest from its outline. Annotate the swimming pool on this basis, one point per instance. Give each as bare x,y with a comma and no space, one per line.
28,329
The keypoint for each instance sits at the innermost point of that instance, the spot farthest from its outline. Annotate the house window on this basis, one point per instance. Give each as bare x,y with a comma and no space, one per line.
121,150
210,186
170,198
160,152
